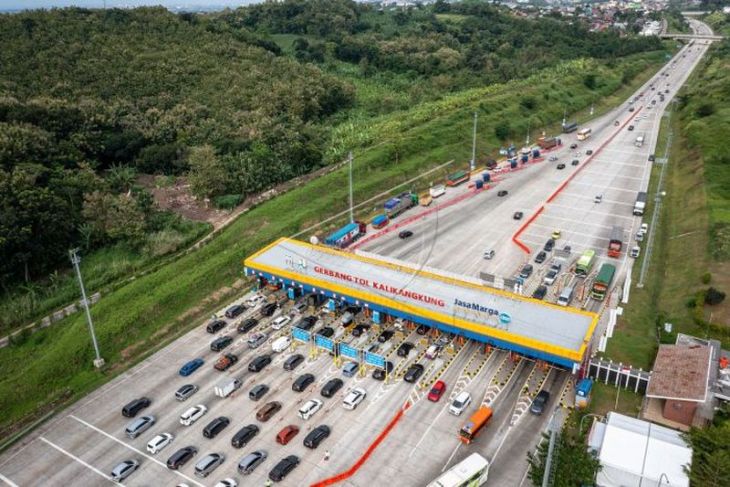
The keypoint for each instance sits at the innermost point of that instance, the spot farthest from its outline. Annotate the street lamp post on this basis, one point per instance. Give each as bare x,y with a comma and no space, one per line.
75,260
580,425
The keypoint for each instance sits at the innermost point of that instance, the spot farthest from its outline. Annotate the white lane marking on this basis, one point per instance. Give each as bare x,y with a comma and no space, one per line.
452,456
134,449
428,430
8,481
74,457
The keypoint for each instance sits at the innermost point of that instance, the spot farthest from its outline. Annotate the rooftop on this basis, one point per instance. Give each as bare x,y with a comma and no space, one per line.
680,372
432,294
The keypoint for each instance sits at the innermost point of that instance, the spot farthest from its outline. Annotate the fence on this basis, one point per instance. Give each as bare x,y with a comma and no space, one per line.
619,375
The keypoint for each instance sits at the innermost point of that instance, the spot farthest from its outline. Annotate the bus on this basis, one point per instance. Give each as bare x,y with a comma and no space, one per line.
475,424
583,134
569,127
585,263
470,472
603,281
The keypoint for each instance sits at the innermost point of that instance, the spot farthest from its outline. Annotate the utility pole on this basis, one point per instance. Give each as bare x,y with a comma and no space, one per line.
564,113
591,109
527,139
474,144
349,156
75,260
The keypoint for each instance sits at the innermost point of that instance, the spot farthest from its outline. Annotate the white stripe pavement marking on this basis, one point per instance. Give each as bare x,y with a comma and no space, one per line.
8,481
134,449
74,457
609,188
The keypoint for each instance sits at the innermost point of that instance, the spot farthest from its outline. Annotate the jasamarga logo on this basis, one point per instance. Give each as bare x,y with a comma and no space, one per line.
478,308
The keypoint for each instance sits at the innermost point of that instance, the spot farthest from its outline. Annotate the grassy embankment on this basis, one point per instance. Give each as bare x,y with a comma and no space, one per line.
692,244
54,365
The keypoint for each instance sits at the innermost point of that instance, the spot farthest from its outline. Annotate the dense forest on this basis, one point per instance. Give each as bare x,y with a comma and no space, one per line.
235,101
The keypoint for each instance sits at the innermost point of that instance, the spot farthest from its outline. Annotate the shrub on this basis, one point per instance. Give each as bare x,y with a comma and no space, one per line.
714,296
705,110
228,201
706,278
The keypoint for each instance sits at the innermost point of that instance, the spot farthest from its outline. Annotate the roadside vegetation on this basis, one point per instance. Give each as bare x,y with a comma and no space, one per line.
689,272
54,365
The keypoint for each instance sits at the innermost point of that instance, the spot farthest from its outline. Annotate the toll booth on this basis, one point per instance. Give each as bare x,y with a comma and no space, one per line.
377,317
293,292
583,393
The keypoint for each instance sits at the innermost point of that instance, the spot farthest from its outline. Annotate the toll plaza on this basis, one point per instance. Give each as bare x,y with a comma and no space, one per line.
452,304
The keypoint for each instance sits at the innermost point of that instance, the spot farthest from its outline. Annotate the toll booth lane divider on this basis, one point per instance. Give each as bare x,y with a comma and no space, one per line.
373,446
516,236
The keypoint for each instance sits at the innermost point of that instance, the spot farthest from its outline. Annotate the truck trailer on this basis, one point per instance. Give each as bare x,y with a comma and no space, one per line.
346,235
395,206
457,178
547,142
603,281
640,204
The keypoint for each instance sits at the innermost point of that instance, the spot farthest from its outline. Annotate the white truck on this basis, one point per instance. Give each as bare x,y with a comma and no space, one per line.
226,388
437,191
640,204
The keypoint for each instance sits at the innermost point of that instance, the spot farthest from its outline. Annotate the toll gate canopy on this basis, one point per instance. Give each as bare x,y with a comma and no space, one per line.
560,335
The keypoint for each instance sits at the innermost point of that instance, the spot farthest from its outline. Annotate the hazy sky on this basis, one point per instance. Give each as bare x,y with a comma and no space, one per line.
21,4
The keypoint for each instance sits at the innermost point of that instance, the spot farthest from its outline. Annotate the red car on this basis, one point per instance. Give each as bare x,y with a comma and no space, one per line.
437,391
287,434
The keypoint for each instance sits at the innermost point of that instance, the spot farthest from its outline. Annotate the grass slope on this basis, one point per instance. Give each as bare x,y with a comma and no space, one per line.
57,361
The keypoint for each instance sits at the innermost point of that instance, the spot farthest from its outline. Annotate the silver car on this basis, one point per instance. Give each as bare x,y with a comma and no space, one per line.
208,463
256,340
124,470
249,463
186,391
139,426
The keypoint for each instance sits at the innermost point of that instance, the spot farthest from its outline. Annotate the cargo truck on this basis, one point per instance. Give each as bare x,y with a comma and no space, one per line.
425,199
603,282
226,388
457,178
346,235
640,204
479,420
395,206
379,221
616,242
547,142
569,127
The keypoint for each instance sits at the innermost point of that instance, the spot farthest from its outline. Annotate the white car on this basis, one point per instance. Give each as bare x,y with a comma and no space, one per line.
645,227
229,482
255,300
553,158
309,408
635,251
280,322
193,414
159,442
281,344
460,403
354,397
488,254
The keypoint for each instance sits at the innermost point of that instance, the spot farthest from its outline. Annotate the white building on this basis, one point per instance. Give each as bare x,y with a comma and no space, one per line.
634,453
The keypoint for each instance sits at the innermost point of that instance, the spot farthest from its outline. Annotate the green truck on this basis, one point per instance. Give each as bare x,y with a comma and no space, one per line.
603,281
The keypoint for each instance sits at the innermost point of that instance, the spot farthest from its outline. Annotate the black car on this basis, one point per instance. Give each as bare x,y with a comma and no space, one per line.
631,109
540,257
502,193
379,374
526,271
422,330
257,364
247,325
235,310
212,429
589,152
353,308
405,234
540,292
258,392
651,157
302,382
215,325
331,387
360,329
549,245
518,215
404,349
631,127
307,323
293,361
560,166
181,457
317,436
413,373
385,336
268,309
326,332
539,403
573,145
575,162
131,409
244,435
220,343
283,468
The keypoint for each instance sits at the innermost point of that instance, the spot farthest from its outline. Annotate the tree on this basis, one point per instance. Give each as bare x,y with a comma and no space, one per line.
503,130
710,453
207,176
121,178
589,81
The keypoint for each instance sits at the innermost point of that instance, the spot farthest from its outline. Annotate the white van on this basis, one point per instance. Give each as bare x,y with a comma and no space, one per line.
254,300
281,344
280,322
433,351
460,403
566,296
